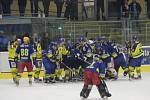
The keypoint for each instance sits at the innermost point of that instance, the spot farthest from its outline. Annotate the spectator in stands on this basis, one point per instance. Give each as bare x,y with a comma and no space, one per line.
59,5
6,7
119,5
3,43
22,6
135,10
118,9
88,8
100,6
46,4
34,7
71,9
148,8
125,9
45,41
0,7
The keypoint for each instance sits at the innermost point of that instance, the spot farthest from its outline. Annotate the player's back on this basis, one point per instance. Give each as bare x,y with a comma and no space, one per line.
96,67
25,51
137,50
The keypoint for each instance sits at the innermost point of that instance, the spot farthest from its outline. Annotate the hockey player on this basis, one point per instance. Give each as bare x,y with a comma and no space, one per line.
93,76
12,60
37,62
61,54
49,65
26,52
104,50
119,60
135,60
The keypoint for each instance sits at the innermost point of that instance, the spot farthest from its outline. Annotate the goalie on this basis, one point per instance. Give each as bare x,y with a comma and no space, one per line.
93,76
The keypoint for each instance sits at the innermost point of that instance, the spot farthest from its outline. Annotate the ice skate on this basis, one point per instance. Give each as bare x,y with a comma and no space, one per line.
83,95
51,80
17,82
30,81
108,94
14,80
37,80
138,77
131,77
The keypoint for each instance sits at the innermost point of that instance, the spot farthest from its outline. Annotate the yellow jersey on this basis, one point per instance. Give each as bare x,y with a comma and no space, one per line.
11,52
38,51
62,50
137,50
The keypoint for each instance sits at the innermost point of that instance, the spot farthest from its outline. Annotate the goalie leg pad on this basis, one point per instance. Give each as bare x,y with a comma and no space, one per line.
86,91
103,90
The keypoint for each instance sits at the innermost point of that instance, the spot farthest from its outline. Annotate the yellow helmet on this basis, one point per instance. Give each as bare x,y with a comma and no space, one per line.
26,40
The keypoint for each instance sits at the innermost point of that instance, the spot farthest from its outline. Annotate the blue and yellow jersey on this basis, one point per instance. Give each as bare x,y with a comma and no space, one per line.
25,51
51,52
38,51
137,50
97,67
62,50
11,52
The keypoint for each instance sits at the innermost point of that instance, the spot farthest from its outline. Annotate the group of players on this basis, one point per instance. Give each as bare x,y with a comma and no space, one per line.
92,60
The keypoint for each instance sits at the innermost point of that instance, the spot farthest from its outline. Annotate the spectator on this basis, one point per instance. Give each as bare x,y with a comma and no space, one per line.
100,5
119,5
34,7
22,6
45,41
71,9
46,4
6,7
125,9
88,8
118,9
148,8
0,7
125,16
135,10
3,43
59,5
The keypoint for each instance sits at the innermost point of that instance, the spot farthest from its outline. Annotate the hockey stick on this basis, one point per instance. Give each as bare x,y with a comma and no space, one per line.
84,60
66,66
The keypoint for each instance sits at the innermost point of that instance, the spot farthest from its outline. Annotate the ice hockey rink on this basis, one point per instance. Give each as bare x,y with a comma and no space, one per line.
122,89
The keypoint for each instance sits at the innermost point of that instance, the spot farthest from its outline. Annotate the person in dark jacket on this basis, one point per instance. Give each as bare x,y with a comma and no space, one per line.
100,5
34,7
59,5
0,7
148,8
6,7
46,4
71,9
45,41
135,10
125,9
22,6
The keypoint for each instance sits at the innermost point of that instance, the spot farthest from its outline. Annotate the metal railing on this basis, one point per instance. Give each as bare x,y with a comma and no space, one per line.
120,31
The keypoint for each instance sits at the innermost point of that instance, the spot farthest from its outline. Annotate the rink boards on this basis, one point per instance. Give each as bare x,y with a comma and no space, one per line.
7,75
5,70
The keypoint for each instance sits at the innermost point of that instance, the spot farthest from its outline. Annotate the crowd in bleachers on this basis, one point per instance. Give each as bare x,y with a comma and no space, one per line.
124,8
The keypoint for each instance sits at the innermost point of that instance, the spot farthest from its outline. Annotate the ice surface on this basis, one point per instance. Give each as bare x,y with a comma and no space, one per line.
122,89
